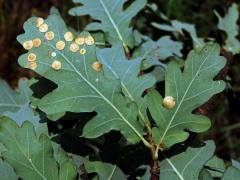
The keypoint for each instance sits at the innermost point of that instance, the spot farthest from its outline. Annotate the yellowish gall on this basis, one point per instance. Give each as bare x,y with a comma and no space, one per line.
60,45
169,102
49,35
56,65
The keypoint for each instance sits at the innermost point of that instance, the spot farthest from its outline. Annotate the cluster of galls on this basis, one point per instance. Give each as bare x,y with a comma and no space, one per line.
60,45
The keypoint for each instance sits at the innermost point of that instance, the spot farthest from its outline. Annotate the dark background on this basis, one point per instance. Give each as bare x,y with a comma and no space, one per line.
225,113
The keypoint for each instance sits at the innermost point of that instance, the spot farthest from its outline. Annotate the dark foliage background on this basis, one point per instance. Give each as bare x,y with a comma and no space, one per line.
223,110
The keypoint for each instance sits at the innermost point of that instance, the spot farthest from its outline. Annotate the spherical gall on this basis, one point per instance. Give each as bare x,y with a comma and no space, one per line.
83,51
74,47
68,36
39,22
32,57
56,65
49,35
169,102
28,45
43,27
32,65
60,45
97,66
37,42
89,40
79,40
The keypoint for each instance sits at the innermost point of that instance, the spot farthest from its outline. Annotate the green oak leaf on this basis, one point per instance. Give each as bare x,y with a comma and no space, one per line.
215,166
231,173
229,25
178,27
80,87
162,49
110,18
6,171
11,100
187,165
30,156
15,105
104,170
117,66
27,162
190,89
205,175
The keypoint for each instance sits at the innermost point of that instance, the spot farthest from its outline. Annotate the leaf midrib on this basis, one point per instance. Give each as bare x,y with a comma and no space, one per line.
183,97
98,92
112,21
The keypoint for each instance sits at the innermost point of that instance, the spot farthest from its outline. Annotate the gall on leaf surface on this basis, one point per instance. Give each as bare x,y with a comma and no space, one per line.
110,18
80,87
190,89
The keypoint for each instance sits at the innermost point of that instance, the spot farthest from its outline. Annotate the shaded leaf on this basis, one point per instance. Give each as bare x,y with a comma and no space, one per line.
190,89
80,87
229,25
205,175
110,18
187,165
6,171
17,102
179,27
215,166
67,171
162,49
231,173
31,157
12,101
104,170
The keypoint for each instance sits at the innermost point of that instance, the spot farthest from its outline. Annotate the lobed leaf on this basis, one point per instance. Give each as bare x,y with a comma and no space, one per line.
229,25
11,100
179,27
190,89
30,156
110,18
116,66
80,87
187,165
104,170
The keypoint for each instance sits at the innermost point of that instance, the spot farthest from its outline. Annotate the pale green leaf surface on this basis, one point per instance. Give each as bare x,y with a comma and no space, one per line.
162,49
187,165
31,157
117,66
80,87
6,171
10,100
67,171
231,173
105,171
205,175
190,89
25,113
235,164
15,105
110,18
229,25
178,26
216,165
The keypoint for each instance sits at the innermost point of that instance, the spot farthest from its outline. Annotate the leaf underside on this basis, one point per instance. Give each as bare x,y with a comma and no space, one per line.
80,87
